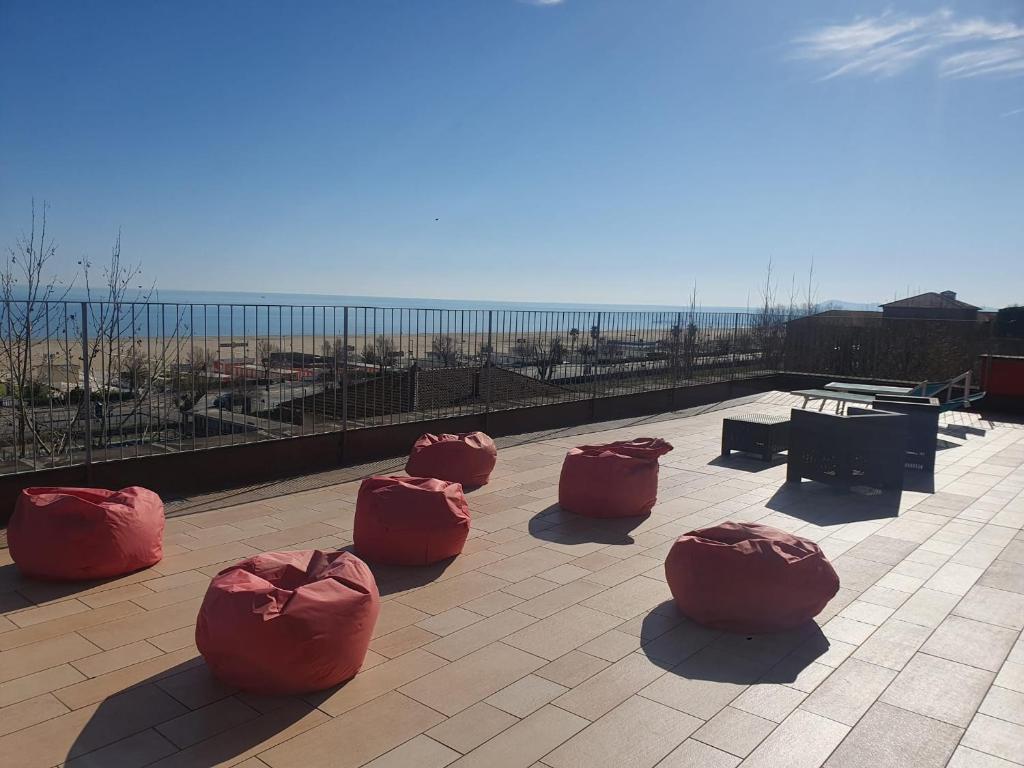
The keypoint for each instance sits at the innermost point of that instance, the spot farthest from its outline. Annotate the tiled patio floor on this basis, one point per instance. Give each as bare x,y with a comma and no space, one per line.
552,642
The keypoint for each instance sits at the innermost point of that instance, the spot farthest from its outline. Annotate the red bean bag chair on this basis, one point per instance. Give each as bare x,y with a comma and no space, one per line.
466,458
744,577
612,480
76,534
410,520
288,622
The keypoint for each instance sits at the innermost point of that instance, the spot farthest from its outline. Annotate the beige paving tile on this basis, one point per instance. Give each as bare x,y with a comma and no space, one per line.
120,632
940,689
770,701
530,588
849,692
116,595
803,740
28,659
234,552
554,600
440,596
206,721
471,727
971,642
892,736
893,644
108,661
382,725
195,686
29,712
926,607
171,596
140,749
30,616
562,632
496,602
1004,704
630,598
30,686
993,606
472,678
995,737
248,739
734,731
449,621
638,732
175,640
421,751
695,754
705,683
572,669
87,729
377,681
394,616
526,741
401,641
99,688
476,636
63,626
530,563
612,645
609,687
526,695
965,757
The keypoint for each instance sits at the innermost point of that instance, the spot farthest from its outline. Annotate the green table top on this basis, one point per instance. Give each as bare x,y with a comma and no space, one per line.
867,389
828,394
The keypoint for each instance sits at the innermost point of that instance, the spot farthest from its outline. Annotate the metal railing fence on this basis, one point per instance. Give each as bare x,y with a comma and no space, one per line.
84,382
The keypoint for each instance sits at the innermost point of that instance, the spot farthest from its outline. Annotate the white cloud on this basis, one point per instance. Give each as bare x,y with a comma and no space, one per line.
1013,112
542,2
888,44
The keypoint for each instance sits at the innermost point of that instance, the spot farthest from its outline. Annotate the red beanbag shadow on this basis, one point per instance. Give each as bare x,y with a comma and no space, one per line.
612,480
410,520
288,622
466,458
72,534
749,578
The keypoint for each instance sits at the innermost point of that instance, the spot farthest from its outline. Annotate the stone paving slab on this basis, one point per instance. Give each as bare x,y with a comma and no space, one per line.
552,641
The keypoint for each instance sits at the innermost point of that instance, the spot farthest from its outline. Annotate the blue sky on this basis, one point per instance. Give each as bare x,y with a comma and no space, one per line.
586,150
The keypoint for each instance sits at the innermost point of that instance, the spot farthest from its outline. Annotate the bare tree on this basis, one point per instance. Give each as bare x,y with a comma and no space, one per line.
26,291
265,350
134,369
381,352
445,349
542,354
769,323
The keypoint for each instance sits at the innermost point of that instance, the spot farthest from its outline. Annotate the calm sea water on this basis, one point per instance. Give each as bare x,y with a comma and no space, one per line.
230,314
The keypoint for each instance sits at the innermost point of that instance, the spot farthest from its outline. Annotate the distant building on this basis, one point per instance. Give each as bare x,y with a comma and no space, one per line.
930,306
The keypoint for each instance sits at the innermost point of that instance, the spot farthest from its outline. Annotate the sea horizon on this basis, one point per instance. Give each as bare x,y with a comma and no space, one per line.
273,299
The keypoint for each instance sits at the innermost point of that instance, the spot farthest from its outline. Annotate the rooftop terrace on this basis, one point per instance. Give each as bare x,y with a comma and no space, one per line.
552,640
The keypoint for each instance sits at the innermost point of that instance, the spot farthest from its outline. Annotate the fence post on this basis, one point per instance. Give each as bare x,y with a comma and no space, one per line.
344,374
488,363
597,360
735,342
86,387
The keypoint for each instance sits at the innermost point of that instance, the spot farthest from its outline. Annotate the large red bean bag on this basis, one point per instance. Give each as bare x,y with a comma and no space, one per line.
73,534
744,577
288,622
410,520
466,458
612,480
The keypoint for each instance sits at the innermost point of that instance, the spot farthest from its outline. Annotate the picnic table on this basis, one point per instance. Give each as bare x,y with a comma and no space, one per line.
866,389
841,398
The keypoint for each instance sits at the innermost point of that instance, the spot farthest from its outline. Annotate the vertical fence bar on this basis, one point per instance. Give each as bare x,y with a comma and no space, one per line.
86,383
